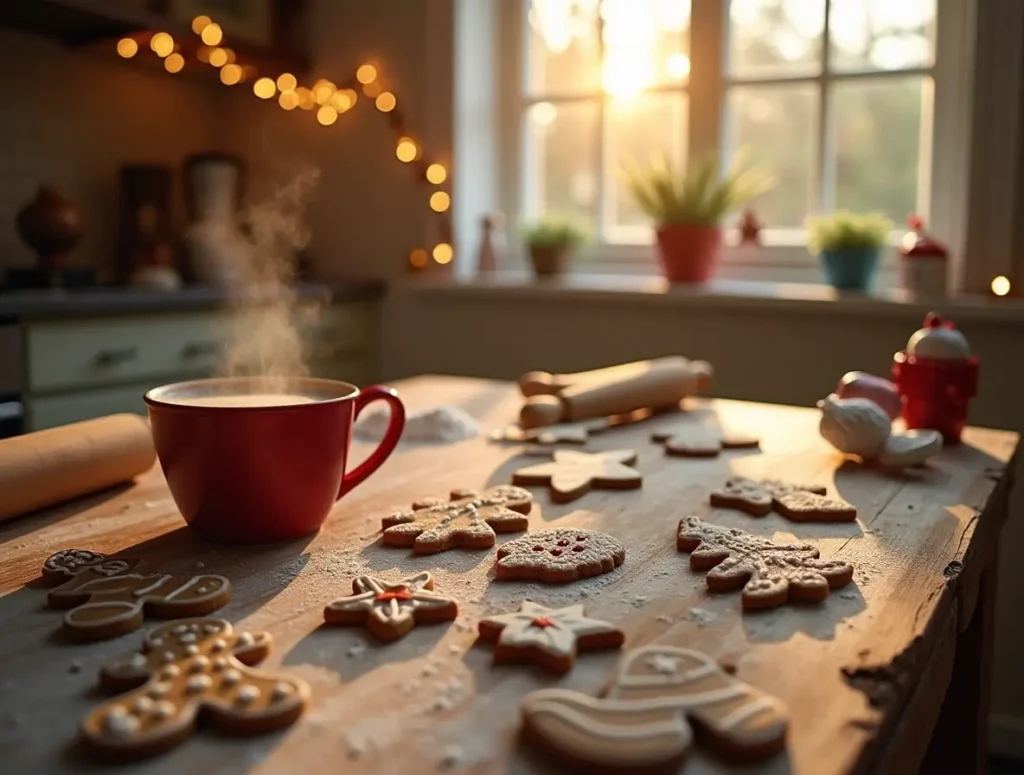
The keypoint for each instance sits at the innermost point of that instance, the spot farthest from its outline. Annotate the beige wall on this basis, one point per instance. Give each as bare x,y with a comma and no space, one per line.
70,119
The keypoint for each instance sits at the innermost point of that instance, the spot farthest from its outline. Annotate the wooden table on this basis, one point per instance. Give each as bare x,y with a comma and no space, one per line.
864,674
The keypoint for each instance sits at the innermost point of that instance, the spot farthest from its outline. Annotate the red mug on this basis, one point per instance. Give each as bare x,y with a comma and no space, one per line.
250,465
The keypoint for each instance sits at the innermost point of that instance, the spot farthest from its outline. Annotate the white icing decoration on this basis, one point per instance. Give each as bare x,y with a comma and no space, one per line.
212,629
368,589
558,638
281,690
245,639
218,645
247,694
164,709
231,677
143,591
663,665
169,656
219,663
120,724
138,662
198,683
180,628
191,650
199,665
158,690
201,590
142,705
170,671
156,642
188,637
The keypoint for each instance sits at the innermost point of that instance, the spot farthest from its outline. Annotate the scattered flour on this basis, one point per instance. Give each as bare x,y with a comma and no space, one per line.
75,666
428,670
701,616
441,425
665,619
848,595
451,757
356,650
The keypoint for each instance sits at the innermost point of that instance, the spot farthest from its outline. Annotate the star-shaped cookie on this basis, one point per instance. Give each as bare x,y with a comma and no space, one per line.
549,636
571,474
798,502
702,440
469,520
389,611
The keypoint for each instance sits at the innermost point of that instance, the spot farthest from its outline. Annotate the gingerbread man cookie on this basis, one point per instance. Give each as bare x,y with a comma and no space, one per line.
549,636
559,556
571,474
107,598
389,611
469,520
646,719
191,668
798,502
702,440
770,574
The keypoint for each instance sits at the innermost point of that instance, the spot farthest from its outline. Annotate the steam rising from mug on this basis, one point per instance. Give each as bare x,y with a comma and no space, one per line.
265,332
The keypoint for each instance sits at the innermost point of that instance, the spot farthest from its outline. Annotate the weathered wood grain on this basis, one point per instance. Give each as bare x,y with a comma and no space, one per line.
868,663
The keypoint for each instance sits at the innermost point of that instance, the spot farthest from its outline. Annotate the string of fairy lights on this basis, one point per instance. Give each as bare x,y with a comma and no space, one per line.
326,99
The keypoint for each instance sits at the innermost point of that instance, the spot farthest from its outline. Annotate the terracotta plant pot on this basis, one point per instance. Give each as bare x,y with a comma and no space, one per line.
688,252
550,260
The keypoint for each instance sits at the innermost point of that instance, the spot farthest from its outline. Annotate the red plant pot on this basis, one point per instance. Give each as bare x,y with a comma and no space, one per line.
688,252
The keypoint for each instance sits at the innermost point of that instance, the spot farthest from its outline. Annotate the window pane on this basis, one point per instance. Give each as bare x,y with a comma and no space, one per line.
560,162
563,47
877,130
777,125
881,34
771,38
646,43
639,131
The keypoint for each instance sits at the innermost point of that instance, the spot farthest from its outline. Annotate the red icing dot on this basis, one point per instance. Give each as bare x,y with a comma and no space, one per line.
563,542
581,538
577,548
542,622
400,593
538,548
556,552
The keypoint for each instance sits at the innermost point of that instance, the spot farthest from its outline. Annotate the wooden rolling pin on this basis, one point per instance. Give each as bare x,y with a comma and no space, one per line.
619,390
46,467
542,383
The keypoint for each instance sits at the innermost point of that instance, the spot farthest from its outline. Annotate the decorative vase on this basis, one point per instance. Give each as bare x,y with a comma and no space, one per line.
850,269
550,260
51,225
688,252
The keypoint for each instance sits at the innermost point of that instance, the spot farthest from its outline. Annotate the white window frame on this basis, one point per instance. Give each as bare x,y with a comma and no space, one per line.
943,183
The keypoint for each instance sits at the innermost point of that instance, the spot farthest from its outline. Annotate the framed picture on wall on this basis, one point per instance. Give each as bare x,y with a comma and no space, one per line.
251,21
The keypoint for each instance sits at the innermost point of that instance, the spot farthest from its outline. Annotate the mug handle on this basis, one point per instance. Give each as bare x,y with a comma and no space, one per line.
387,445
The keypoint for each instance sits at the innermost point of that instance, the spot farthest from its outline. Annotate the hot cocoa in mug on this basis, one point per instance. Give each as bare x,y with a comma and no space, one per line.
246,464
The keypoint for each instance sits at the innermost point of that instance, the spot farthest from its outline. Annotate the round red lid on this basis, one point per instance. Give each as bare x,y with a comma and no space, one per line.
917,243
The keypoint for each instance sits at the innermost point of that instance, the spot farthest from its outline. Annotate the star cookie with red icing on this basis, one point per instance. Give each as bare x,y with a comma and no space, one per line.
389,611
549,636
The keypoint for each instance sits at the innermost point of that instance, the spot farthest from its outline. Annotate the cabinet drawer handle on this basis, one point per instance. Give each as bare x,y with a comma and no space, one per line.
113,357
199,349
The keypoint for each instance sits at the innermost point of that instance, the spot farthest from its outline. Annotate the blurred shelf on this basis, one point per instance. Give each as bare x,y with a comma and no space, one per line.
98,24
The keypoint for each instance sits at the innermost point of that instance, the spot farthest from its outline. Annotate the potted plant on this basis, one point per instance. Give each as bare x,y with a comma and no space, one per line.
687,207
848,245
551,243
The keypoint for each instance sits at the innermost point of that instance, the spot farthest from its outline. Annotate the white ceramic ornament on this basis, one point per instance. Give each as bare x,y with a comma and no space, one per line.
938,340
859,426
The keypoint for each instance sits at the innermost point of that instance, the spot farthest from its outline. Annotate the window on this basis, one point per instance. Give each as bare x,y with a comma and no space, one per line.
835,97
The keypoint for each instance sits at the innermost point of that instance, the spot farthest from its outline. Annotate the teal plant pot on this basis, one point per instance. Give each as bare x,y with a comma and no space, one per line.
851,269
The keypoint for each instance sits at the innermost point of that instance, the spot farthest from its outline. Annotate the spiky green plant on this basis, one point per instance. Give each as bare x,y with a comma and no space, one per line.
696,194
553,231
845,230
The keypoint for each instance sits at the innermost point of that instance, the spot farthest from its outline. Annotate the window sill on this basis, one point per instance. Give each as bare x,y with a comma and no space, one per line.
746,295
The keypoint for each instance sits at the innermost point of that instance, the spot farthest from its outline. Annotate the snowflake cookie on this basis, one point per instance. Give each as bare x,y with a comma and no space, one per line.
468,520
769,574
389,611
549,636
559,556
646,719
186,669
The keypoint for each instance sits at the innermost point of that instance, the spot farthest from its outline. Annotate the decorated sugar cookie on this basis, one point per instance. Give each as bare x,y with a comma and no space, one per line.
389,611
186,669
571,474
559,556
797,502
468,520
108,598
769,574
646,719
549,636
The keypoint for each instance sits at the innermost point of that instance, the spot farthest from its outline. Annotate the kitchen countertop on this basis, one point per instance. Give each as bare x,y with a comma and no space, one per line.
112,300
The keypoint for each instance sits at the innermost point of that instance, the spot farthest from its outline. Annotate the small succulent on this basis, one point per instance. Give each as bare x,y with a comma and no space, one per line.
552,231
845,230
